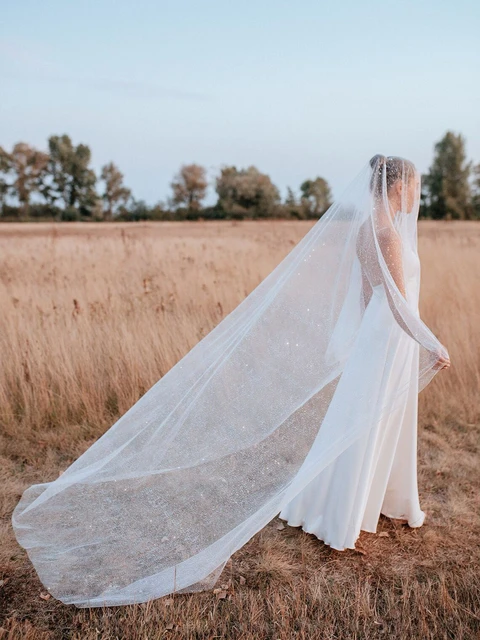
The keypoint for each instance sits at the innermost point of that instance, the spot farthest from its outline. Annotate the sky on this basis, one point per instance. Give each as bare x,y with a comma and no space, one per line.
298,89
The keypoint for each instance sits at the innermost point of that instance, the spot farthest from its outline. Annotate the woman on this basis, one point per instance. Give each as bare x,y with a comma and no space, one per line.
377,474
314,373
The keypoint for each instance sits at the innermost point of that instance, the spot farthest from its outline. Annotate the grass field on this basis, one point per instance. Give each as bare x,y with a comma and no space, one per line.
91,315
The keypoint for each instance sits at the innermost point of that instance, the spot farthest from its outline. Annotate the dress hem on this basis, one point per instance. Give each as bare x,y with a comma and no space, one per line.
414,524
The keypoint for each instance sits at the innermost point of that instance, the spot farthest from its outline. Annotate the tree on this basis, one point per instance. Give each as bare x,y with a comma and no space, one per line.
316,197
292,207
446,188
190,186
246,192
116,193
29,166
5,179
71,179
476,191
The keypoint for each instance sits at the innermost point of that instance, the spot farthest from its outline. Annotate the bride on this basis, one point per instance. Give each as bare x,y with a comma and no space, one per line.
302,403
378,473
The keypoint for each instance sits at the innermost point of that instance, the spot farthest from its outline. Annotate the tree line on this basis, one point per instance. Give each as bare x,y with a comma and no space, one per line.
60,184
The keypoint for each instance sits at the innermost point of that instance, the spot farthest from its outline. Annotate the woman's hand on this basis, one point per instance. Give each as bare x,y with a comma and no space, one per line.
443,361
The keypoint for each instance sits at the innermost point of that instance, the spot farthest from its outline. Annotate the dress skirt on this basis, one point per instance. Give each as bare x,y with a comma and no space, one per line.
377,473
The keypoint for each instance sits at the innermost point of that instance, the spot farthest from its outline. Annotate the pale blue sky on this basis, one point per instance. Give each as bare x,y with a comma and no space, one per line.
298,89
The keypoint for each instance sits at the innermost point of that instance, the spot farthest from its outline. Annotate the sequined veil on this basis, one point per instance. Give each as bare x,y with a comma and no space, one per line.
211,452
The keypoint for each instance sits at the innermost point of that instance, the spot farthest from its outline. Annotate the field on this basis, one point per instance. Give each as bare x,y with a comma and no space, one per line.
91,315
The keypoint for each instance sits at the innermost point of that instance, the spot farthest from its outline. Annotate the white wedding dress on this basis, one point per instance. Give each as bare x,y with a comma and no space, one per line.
378,472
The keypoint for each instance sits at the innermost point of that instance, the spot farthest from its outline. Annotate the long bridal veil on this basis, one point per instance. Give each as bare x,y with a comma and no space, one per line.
211,453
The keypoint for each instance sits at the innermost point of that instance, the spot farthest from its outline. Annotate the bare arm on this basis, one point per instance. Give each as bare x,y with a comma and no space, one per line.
366,287
391,247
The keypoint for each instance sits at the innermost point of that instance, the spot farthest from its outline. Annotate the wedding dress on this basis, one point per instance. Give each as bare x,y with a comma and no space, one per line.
301,402
377,473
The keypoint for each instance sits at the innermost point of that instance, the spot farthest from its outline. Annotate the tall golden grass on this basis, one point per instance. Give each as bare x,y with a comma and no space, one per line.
93,314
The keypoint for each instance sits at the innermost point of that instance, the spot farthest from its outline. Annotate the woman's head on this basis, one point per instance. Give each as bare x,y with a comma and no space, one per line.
398,177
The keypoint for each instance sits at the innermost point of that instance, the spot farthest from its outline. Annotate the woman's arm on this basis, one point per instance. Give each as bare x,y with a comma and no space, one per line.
391,248
366,287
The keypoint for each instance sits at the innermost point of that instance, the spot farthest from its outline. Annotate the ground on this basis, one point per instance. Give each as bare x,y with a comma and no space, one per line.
91,315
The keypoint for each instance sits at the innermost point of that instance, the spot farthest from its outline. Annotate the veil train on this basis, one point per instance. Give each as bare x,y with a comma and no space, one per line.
211,452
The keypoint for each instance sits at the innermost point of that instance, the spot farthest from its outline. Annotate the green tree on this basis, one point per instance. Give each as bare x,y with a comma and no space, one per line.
293,208
446,188
316,197
476,191
5,176
71,180
246,193
190,187
115,194
29,167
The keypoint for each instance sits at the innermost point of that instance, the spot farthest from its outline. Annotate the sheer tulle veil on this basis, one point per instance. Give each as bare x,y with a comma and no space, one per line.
212,452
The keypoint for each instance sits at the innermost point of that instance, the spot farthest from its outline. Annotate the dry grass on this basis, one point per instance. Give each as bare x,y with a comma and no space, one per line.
92,315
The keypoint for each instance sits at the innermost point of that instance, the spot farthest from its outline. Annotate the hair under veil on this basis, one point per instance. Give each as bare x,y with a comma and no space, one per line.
232,432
